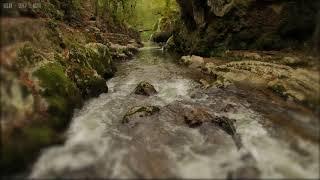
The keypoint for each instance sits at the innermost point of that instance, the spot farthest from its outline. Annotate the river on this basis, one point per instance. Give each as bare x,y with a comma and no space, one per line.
163,146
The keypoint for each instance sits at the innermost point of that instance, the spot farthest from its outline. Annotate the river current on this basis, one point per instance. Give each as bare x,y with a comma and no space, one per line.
162,146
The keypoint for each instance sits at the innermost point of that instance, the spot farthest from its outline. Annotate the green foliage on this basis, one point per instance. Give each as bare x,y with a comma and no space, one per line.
120,10
147,13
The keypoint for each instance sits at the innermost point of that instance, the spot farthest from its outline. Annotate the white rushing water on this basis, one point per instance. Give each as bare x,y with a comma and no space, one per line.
98,145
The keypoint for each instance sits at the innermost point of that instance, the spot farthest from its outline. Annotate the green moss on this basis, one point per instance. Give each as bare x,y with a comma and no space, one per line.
60,92
93,56
28,56
25,145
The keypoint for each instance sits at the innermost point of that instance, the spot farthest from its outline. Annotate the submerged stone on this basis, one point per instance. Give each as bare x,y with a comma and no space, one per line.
139,112
226,124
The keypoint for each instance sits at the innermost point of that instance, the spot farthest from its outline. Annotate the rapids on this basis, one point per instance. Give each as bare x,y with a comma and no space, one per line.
162,145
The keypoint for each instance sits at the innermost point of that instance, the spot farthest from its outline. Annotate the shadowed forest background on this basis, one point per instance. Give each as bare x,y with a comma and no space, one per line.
160,88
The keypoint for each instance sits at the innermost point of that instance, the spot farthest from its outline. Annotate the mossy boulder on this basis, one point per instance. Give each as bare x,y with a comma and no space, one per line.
95,56
89,83
139,112
55,85
145,88
60,92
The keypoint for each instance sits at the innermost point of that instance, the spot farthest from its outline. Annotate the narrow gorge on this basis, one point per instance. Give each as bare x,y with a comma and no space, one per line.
140,89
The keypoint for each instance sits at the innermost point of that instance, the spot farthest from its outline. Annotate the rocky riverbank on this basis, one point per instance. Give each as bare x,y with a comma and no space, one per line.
291,77
50,66
210,27
264,43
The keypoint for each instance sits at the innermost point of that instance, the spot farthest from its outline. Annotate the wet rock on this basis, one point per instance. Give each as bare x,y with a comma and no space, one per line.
247,172
186,60
122,52
146,89
226,124
208,68
170,45
204,84
163,30
196,116
138,112
192,61
159,37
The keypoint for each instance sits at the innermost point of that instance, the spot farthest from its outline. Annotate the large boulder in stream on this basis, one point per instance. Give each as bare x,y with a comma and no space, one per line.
145,88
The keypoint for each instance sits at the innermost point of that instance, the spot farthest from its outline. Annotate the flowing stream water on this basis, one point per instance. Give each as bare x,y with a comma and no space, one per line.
163,145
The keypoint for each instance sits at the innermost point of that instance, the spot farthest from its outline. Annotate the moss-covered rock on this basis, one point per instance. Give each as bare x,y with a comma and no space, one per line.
89,84
145,88
94,56
139,112
60,92
53,86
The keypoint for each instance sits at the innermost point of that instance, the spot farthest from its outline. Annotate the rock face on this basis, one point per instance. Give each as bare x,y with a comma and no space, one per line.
146,89
139,112
208,27
299,84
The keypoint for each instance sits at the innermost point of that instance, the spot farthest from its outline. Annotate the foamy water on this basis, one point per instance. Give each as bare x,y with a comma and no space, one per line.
97,145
